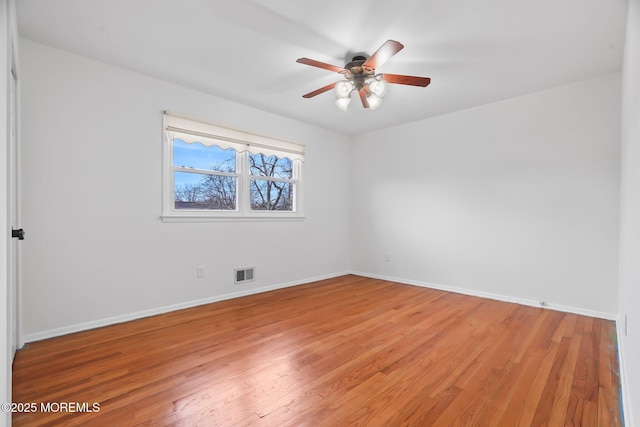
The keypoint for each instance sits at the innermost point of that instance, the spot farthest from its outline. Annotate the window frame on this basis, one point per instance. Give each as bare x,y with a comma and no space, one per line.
243,211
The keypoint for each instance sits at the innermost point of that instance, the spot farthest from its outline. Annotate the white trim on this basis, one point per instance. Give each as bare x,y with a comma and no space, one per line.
624,392
50,333
196,216
165,309
498,297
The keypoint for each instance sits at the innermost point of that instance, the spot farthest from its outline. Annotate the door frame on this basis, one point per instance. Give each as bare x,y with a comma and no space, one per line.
15,250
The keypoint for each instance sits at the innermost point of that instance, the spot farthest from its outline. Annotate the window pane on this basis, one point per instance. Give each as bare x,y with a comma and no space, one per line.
200,191
200,156
271,195
261,165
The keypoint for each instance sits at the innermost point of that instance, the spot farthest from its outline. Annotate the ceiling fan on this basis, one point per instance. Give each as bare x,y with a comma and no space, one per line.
360,75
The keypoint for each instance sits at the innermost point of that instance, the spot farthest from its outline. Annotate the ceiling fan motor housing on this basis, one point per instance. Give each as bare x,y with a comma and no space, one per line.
357,72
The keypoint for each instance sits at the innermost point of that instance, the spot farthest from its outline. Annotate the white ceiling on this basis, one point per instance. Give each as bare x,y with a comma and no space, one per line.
475,52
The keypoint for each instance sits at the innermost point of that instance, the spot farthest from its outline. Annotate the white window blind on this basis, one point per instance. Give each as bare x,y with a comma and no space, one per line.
190,131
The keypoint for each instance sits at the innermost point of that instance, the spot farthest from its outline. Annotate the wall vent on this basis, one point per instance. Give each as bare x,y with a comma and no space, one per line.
244,274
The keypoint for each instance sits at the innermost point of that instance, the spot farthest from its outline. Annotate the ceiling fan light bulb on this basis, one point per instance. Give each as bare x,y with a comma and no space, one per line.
343,103
374,101
343,89
379,87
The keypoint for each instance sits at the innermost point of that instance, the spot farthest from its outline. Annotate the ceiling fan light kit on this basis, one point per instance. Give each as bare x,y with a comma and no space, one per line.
360,76
343,89
343,103
378,86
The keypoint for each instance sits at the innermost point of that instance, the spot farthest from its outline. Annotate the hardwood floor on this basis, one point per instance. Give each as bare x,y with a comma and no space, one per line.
344,351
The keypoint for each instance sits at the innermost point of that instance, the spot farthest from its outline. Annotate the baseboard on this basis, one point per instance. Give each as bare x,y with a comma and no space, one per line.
50,333
498,297
624,394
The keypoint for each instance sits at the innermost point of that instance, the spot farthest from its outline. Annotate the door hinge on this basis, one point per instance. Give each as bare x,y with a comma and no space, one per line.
18,234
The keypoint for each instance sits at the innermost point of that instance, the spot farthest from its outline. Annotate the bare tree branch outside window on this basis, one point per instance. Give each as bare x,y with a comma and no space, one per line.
216,192
267,194
270,186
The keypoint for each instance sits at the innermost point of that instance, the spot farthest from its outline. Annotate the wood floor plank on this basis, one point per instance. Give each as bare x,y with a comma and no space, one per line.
549,392
343,351
563,387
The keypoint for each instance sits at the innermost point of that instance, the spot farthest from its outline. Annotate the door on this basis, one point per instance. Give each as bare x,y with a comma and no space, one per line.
14,211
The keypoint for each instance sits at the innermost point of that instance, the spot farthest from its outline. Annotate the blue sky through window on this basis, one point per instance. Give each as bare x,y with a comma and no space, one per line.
199,156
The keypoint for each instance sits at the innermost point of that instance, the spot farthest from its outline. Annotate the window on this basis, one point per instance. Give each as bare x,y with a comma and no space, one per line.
215,172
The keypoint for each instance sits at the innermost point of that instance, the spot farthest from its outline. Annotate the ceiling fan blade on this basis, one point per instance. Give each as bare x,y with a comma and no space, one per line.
406,80
384,52
363,97
319,64
319,91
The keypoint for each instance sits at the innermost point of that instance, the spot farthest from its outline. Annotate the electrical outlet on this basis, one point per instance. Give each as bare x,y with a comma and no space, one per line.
387,257
200,271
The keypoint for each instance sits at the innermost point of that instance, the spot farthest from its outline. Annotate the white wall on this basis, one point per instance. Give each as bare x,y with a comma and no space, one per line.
630,218
515,199
96,248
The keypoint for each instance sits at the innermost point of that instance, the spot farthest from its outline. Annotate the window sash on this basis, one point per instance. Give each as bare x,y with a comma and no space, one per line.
204,171
271,178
